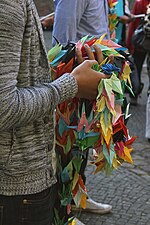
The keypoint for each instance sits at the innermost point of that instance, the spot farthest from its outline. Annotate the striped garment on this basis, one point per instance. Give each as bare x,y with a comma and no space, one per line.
147,31
147,21
82,17
27,101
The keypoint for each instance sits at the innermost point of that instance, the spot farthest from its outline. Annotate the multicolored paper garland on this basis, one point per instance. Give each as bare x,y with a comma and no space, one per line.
105,127
112,17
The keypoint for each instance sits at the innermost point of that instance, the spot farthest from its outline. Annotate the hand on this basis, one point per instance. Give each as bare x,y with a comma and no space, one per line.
132,17
97,54
126,19
48,23
90,55
87,78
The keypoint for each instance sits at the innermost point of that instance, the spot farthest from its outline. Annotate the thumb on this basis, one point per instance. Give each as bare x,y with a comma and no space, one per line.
90,63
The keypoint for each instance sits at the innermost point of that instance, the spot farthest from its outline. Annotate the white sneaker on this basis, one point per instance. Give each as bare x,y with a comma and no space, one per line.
94,207
78,222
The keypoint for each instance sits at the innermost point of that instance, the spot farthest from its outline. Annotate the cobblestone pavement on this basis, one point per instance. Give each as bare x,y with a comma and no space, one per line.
128,188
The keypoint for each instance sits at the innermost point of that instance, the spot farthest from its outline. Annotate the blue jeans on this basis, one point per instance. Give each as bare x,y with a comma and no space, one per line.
34,209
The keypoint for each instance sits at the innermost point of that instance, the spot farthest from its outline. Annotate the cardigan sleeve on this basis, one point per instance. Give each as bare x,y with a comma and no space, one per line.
19,106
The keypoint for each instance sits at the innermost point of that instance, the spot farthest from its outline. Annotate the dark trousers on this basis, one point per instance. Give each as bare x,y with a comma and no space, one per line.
34,209
84,157
139,57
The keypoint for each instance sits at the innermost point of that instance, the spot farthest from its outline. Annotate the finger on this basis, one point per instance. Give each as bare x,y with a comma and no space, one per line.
99,54
89,52
111,59
102,75
80,59
90,63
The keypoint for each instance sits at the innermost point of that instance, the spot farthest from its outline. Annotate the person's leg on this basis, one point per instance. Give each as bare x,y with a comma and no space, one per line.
139,57
134,76
147,132
148,70
84,157
34,209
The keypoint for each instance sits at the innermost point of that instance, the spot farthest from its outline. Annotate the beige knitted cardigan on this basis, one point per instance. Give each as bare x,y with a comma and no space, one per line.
27,101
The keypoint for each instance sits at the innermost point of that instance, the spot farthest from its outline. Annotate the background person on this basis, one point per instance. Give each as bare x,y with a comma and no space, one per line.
27,102
125,17
140,7
80,18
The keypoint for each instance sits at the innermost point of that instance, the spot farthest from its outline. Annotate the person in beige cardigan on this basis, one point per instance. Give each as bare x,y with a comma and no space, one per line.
28,99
